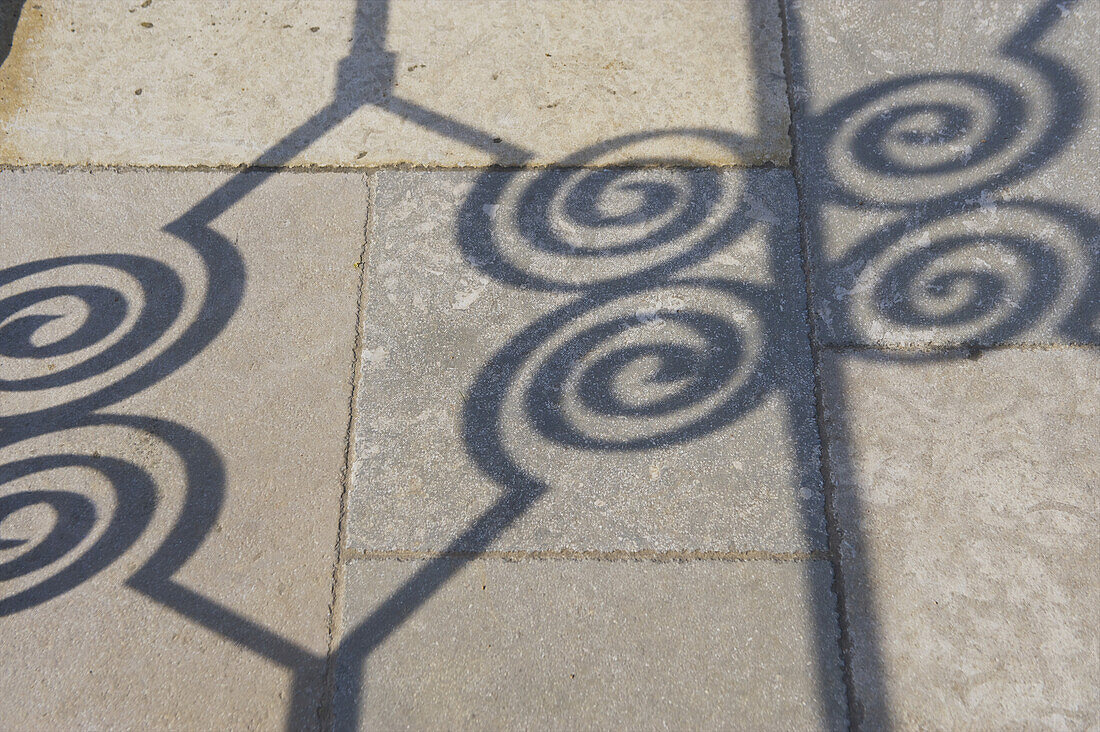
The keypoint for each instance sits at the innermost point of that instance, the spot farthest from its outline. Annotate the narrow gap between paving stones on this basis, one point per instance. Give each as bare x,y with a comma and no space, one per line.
868,294
853,705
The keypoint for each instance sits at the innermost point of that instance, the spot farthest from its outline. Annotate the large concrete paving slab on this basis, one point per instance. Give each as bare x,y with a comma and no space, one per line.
373,83
190,580
948,154
593,644
968,501
541,374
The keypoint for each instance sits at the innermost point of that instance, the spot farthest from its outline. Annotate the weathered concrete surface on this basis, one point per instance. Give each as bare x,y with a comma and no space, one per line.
640,414
165,83
973,485
266,402
949,156
700,645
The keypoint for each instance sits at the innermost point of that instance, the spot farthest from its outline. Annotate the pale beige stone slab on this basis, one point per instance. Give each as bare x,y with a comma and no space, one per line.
598,645
479,386
172,83
967,498
268,397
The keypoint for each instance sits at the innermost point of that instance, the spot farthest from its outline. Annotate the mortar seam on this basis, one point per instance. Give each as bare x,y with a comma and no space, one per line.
832,526
952,348
613,555
307,169
325,711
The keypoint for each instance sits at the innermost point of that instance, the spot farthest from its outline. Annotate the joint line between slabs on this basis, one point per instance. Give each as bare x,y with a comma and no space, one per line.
623,555
832,524
360,169
326,710
960,349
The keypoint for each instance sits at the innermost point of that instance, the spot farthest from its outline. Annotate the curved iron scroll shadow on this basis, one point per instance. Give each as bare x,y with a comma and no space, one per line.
701,374
161,290
960,268
943,176
225,287
954,163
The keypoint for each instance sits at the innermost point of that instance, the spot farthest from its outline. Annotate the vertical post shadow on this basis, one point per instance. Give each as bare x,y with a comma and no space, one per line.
830,639
9,19
942,196
833,431
521,490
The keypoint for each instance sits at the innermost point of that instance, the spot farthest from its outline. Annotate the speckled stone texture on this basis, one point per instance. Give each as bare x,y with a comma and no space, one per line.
226,461
567,645
967,499
427,82
949,155
634,375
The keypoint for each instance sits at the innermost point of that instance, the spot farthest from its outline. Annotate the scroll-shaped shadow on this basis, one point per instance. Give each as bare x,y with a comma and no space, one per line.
957,266
105,310
610,371
75,518
712,377
950,261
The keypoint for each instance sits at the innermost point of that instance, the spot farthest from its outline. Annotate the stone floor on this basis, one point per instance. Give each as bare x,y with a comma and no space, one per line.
483,364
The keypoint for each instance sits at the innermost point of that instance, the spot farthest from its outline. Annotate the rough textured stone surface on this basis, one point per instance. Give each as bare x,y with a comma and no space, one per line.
640,413
949,156
967,495
642,645
256,419
427,82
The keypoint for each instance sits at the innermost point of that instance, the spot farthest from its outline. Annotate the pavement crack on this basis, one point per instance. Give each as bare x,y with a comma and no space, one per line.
325,711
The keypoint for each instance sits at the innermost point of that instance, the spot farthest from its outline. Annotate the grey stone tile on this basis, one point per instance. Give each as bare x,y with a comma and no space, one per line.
216,453
967,499
541,374
585,645
382,82
949,156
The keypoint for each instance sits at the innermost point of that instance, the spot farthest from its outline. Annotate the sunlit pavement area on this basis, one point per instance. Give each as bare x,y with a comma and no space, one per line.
437,364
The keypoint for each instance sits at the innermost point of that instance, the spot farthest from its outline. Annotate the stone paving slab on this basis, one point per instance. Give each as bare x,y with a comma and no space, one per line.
568,645
968,498
556,398
373,83
949,156
255,422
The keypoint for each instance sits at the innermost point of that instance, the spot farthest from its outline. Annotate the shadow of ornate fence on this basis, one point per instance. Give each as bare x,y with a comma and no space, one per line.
926,145
957,266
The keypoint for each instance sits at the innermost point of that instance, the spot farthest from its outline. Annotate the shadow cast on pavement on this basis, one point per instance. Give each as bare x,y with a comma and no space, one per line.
713,368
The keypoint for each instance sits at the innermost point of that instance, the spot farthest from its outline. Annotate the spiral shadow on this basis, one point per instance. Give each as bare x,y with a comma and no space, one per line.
963,276
649,202
105,310
920,138
74,518
918,241
598,374
578,227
